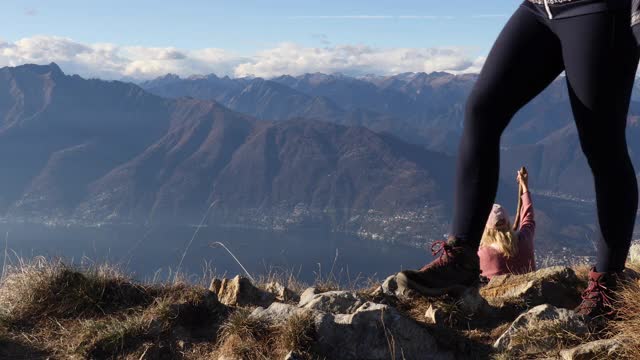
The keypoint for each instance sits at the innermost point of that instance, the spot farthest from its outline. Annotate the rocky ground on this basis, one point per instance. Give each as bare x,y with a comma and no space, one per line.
52,311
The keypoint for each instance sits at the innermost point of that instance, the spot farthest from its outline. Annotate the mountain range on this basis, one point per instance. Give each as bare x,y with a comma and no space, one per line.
372,156
419,108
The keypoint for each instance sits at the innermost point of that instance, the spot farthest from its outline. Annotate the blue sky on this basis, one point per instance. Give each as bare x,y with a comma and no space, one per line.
245,28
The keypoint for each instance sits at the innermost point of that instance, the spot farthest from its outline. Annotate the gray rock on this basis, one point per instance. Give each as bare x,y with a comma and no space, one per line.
556,286
335,302
600,349
281,292
280,312
308,294
375,331
634,252
391,287
239,291
365,334
537,317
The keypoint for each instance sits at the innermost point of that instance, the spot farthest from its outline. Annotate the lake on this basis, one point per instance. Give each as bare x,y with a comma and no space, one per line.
156,252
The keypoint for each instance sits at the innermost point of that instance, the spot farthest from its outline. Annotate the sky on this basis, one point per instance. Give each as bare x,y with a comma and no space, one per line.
142,39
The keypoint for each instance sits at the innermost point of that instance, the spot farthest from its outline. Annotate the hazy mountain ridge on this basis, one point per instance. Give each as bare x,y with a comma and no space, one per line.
138,157
420,108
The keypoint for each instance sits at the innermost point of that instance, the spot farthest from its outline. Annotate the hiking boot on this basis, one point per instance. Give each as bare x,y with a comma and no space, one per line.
456,268
598,298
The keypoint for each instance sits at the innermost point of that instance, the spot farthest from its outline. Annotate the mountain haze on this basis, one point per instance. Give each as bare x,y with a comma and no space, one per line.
93,151
96,151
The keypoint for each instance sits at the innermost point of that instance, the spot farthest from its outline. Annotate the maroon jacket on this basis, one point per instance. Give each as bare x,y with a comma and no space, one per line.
493,262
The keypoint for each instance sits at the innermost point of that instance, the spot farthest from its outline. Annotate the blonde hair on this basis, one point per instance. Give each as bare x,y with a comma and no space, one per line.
503,239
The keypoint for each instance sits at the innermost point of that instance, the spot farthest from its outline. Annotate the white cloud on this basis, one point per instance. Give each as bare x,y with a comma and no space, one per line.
110,61
289,58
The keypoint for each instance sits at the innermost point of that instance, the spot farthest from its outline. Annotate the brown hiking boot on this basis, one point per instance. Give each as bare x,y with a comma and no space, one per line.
456,268
598,298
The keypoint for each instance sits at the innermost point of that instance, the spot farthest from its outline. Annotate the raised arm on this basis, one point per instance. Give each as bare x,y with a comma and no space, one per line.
527,221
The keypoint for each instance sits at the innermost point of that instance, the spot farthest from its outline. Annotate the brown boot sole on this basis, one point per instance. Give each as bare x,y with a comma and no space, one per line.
405,282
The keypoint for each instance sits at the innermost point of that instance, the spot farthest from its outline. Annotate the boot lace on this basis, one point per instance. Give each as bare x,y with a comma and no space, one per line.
593,295
440,248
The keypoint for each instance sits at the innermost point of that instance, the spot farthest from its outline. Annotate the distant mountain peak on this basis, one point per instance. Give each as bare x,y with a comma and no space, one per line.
52,68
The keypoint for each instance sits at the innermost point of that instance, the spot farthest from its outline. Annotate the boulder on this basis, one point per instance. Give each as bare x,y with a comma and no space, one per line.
375,331
556,286
239,291
335,302
539,317
599,349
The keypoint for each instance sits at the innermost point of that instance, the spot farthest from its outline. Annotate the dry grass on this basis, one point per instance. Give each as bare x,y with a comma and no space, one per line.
297,333
109,337
52,309
627,327
40,289
96,312
547,336
246,337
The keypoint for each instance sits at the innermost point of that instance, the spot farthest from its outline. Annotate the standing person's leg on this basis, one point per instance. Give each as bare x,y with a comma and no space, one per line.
525,58
601,59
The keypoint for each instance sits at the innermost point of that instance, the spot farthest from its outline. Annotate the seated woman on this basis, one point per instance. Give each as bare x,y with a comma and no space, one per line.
503,250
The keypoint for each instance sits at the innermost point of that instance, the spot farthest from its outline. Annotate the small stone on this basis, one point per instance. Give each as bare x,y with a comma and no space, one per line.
308,294
599,349
434,316
391,287
279,312
281,292
239,291
335,302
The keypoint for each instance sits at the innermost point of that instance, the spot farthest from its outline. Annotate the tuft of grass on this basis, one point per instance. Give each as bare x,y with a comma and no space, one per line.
296,334
39,289
244,337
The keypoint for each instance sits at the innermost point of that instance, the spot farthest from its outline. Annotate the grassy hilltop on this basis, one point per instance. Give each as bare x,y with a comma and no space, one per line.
51,310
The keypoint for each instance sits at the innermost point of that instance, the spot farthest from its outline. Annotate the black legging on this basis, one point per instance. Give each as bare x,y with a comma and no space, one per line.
599,55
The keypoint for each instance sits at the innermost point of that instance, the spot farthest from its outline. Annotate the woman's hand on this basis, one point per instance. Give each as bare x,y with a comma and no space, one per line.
523,179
